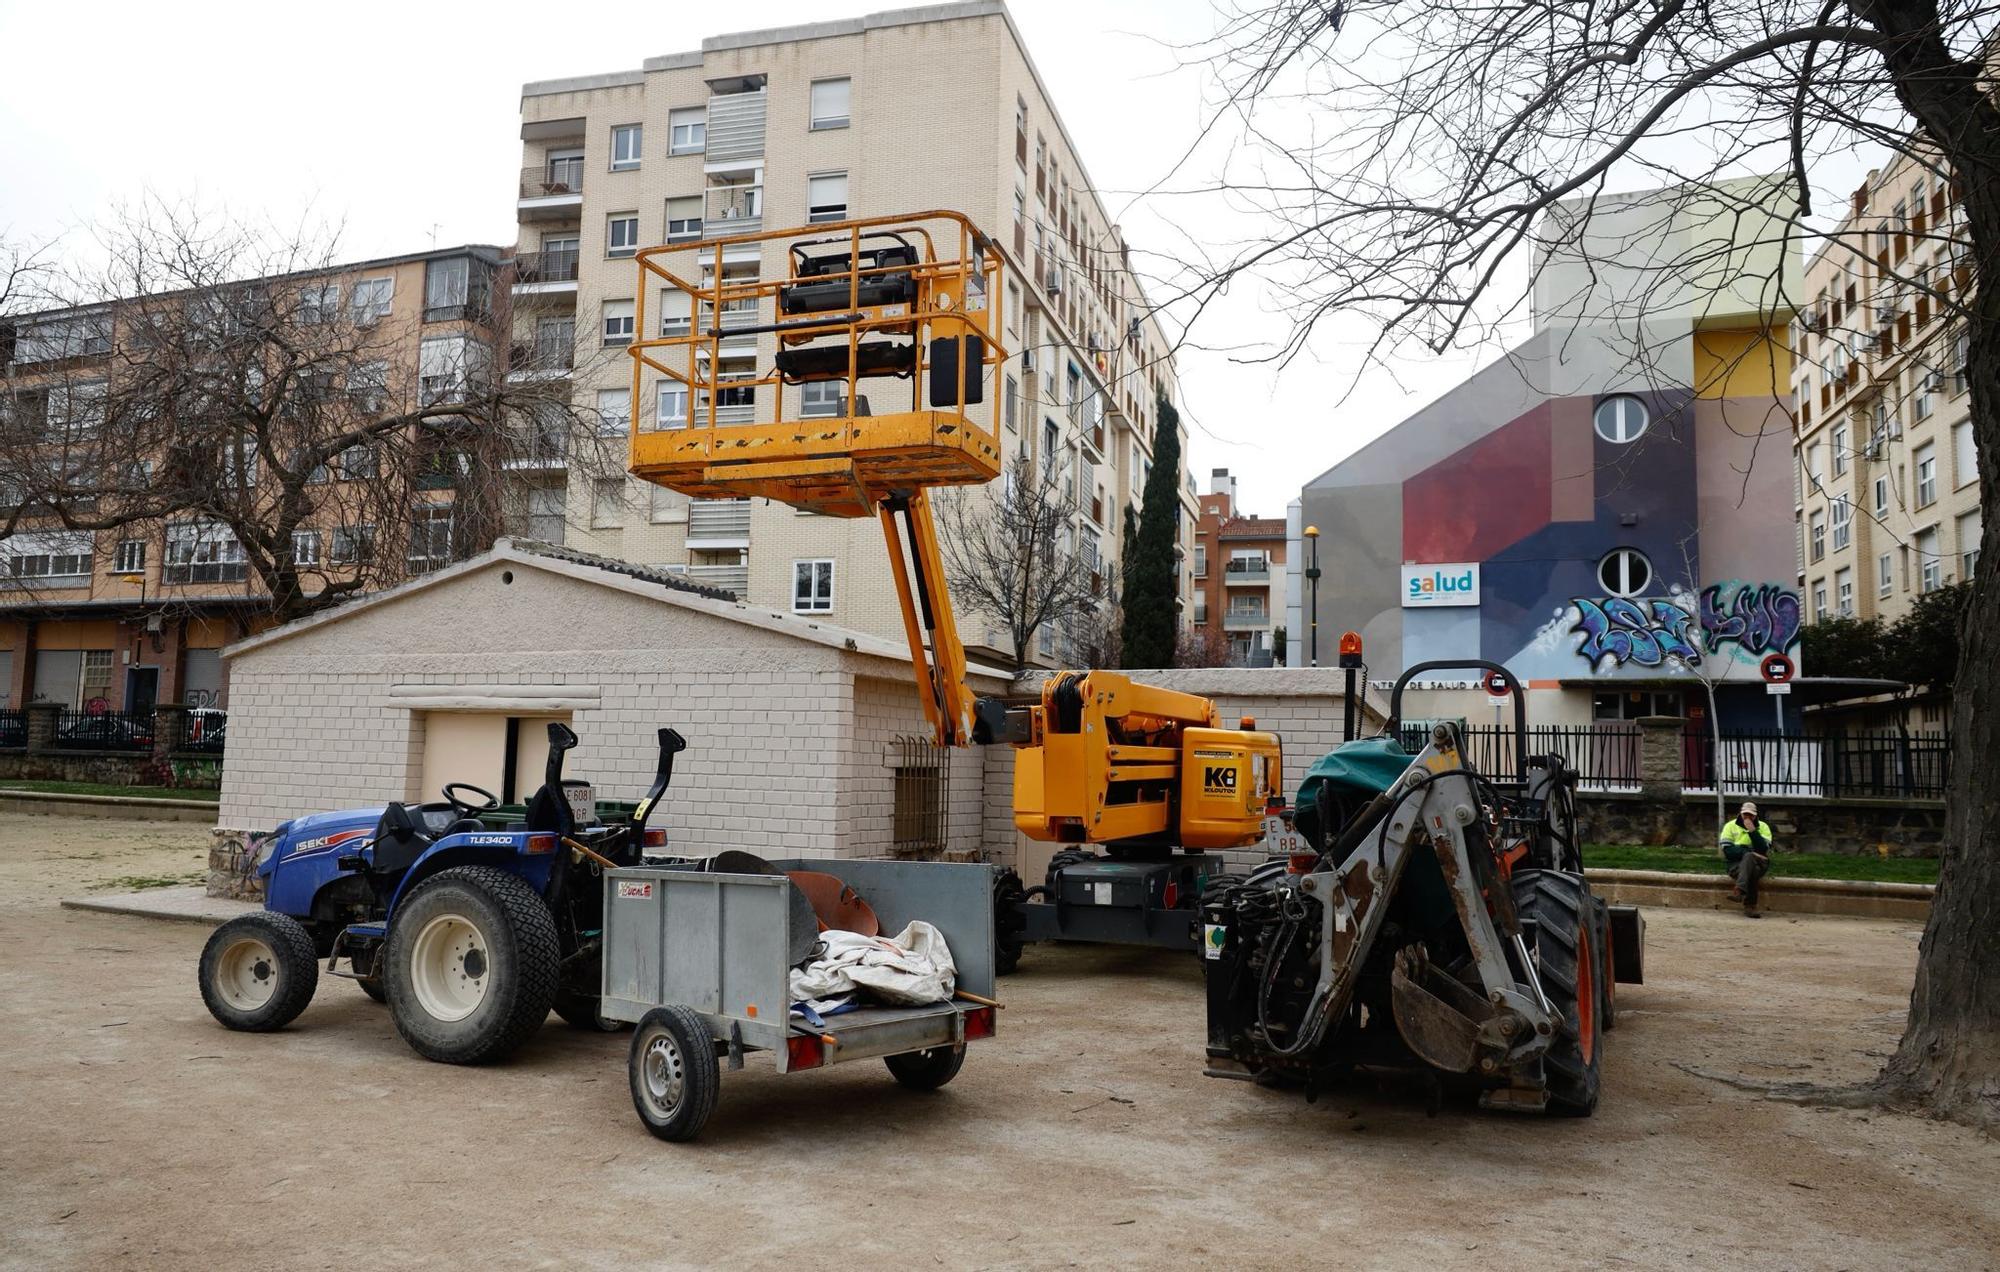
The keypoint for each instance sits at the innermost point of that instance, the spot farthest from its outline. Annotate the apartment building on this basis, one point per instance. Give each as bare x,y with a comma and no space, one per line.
1887,480
1239,578
937,107
125,618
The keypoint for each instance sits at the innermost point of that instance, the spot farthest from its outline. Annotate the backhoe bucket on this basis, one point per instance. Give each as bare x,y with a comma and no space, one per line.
1438,1016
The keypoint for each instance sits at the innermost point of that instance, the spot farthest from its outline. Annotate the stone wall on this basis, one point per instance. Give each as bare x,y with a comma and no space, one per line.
1896,828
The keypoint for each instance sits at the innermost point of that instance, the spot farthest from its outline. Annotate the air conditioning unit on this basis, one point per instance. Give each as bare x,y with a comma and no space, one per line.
1027,359
1054,283
1885,315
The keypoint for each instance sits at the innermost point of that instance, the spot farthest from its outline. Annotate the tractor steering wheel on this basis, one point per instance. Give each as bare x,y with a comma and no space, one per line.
464,807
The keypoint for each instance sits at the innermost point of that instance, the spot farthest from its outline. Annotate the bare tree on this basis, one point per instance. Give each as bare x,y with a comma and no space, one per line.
236,397
1014,556
1398,156
1201,647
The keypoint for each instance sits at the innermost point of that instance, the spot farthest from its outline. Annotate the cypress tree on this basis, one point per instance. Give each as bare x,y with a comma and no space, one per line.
1151,573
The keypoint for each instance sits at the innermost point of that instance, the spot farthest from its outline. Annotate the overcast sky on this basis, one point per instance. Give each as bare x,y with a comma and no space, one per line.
400,123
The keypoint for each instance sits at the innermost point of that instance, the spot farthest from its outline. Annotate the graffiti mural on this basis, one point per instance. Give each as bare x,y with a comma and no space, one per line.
1736,623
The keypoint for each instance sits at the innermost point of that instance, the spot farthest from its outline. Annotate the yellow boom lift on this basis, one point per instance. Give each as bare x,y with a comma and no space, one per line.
1101,759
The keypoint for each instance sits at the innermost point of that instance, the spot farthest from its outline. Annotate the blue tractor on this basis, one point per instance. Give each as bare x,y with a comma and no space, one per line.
470,932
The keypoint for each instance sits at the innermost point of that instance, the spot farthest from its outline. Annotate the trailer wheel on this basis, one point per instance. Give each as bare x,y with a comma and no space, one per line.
674,1077
258,971
472,965
1565,959
927,1070
1009,927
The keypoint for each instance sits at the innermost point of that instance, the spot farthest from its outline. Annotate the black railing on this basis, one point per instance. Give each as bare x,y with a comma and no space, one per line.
104,730
1866,764
13,730
207,731
1605,756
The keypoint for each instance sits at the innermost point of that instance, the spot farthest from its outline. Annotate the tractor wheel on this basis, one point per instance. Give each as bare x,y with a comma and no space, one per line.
1009,928
927,1070
1607,968
372,986
675,1079
258,971
472,965
1565,959
579,1011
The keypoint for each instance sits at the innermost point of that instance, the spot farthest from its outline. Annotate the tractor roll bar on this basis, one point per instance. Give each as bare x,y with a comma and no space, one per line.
1461,664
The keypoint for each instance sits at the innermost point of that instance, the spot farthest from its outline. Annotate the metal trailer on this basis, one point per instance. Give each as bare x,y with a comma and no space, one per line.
701,963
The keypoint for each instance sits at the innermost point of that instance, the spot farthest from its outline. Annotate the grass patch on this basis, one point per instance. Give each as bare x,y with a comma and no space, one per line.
1784,865
105,788
141,883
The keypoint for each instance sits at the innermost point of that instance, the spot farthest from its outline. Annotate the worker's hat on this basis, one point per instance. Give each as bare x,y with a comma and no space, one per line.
1748,807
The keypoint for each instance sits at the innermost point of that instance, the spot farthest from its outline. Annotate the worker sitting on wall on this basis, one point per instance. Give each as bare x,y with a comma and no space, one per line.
1746,843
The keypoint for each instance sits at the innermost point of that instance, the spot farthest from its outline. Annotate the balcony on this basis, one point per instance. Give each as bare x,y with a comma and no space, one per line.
728,578
543,360
736,126
537,450
733,209
546,273
552,191
1246,620
1244,573
719,523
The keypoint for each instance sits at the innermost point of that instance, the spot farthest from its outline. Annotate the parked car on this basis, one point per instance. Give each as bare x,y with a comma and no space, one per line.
13,729
107,732
207,729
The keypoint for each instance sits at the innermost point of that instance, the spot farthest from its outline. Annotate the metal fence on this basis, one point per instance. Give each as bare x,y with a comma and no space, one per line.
922,811
1606,756
13,730
1869,764
207,732
104,730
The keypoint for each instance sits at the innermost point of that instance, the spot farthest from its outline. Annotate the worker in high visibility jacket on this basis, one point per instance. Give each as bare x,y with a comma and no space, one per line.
1746,843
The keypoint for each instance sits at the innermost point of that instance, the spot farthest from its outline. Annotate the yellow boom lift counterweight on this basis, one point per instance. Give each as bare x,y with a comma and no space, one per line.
1100,758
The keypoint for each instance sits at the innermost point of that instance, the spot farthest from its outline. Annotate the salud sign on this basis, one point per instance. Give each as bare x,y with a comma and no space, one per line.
1455,583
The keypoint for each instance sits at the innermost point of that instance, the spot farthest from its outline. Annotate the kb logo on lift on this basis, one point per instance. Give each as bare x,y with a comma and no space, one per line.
1218,779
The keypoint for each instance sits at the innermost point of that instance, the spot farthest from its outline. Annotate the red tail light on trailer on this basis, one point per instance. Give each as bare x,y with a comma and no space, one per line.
804,1053
978,1023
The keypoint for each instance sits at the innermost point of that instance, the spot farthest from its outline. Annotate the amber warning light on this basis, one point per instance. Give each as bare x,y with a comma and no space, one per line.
1350,649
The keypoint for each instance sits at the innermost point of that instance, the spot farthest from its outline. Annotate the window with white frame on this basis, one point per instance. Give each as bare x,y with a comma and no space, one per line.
676,310
621,234
430,538
360,462
76,410
627,146
826,197
687,131
565,172
1924,386
368,386
130,558
667,505
1837,442
1970,532
614,412
319,303
618,320
47,556
683,218
1885,574
1925,458
371,299
305,547
823,399
1625,572
812,586
1882,495
352,545
607,502
1819,600
1620,418
670,405
1201,560
1816,534
238,465
542,514
1843,523
203,552
1843,591
1012,401
445,369
830,99
1930,566
1964,459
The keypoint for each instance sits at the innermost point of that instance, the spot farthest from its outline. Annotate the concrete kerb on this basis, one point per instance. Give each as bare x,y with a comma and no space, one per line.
180,905
122,807
1843,897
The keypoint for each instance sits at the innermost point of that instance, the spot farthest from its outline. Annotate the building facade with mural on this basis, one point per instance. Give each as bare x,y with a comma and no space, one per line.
1607,508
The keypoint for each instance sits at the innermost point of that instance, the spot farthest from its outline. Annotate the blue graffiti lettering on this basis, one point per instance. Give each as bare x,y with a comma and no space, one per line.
1762,619
1617,629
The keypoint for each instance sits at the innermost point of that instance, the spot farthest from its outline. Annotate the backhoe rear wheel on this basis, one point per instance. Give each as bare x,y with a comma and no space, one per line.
1565,952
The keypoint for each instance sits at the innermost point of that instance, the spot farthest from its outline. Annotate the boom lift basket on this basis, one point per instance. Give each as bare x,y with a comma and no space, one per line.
860,303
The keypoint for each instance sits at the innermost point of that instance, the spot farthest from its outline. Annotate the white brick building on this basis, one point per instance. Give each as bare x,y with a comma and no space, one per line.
934,107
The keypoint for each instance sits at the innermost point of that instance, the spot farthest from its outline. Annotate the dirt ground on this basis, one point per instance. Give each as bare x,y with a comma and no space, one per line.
138,1133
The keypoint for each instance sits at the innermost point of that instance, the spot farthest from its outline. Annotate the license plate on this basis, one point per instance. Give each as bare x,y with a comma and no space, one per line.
582,797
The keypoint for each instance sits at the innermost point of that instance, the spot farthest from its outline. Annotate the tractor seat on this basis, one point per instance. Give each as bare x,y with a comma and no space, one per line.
400,838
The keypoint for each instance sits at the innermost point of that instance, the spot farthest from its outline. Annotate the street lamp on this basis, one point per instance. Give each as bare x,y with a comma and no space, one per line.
1312,576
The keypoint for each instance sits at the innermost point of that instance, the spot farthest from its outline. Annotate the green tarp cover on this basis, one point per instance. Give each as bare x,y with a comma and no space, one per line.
1365,767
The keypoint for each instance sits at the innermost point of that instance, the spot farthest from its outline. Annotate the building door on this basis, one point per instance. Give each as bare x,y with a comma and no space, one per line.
142,688
501,753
